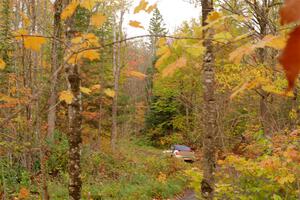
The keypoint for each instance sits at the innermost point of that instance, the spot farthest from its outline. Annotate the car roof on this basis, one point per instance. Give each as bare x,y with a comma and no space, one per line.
181,147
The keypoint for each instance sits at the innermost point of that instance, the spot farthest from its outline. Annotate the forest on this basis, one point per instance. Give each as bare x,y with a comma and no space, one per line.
88,111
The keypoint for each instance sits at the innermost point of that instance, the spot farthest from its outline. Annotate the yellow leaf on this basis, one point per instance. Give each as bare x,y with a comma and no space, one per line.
170,69
276,42
161,42
23,193
162,59
237,55
34,42
98,20
136,24
213,16
20,33
162,50
136,74
151,8
2,64
91,55
25,19
74,58
69,10
96,87
88,4
66,96
76,40
241,37
196,50
85,90
91,38
142,6
109,92
223,37
290,178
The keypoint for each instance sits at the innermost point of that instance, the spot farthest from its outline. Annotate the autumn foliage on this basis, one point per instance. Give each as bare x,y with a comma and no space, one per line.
290,58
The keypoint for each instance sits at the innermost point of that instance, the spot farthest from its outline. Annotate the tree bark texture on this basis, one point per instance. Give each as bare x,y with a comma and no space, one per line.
55,63
209,111
75,121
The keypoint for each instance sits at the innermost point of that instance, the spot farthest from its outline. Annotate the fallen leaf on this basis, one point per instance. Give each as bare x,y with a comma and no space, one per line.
23,193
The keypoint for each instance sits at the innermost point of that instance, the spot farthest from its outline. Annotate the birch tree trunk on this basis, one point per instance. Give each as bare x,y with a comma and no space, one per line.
116,70
209,110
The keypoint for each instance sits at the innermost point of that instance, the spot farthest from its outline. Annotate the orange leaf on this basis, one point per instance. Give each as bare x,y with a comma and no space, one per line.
24,193
290,11
290,57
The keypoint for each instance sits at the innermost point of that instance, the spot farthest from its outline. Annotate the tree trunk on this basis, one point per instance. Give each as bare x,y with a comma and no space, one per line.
75,121
209,111
265,111
55,63
115,98
75,135
116,71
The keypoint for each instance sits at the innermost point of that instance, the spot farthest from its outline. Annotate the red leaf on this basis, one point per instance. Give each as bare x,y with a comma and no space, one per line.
290,11
290,57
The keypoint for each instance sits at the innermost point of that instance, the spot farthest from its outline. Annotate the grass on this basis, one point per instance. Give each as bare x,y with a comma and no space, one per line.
135,171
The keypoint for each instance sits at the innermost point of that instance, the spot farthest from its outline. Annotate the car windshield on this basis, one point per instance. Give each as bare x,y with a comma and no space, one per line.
182,148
